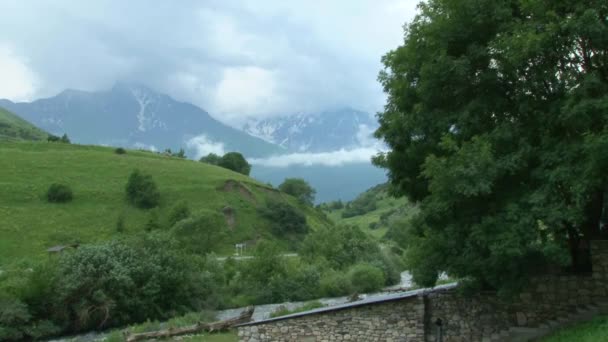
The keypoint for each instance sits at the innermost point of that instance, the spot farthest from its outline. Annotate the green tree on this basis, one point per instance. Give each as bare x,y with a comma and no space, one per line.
211,158
65,139
496,122
201,233
178,212
300,189
142,191
236,162
285,219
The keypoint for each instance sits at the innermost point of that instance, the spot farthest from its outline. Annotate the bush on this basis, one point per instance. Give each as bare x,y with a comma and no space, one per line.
178,212
335,284
211,158
120,150
153,222
120,282
366,278
284,219
59,193
236,162
298,188
141,190
120,223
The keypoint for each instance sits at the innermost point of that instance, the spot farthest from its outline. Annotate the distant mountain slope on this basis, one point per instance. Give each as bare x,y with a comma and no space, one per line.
29,225
317,132
136,116
13,127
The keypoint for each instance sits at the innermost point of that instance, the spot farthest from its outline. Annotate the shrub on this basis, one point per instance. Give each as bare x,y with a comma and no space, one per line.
211,158
366,278
200,234
285,219
141,190
335,284
178,212
153,222
120,223
120,150
120,282
236,162
59,193
298,188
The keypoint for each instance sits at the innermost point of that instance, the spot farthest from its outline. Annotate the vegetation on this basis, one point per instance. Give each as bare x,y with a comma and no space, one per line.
97,177
179,211
388,220
232,161
283,311
142,191
496,124
59,193
366,278
211,158
285,220
595,330
12,127
120,150
236,162
300,189
63,139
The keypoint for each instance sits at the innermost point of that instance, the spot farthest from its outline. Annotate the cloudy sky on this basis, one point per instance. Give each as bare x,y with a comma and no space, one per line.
233,58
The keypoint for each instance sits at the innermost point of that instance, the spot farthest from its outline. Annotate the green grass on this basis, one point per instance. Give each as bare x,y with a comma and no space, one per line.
29,225
593,331
13,127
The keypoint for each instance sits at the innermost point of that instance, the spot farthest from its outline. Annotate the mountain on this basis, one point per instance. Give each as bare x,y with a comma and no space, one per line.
97,177
316,132
13,127
136,116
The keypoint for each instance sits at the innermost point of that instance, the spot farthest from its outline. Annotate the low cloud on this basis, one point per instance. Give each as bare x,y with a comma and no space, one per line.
333,158
19,82
203,146
142,146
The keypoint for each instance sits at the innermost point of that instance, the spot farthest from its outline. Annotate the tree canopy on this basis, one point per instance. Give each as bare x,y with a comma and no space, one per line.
300,189
236,162
497,123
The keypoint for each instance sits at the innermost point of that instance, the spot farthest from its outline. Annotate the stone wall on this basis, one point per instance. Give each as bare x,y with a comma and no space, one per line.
458,319
389,321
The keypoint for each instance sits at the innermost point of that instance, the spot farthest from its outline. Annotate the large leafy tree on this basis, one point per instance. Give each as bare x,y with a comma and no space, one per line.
497,123
300,189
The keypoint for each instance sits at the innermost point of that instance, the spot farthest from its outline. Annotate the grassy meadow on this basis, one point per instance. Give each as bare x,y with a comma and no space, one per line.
29,225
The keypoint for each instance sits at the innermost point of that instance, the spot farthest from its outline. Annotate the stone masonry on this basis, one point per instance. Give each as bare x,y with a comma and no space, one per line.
424,315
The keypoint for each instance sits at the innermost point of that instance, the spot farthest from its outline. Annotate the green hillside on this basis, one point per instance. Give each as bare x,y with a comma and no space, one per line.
374,211
97,176
13,127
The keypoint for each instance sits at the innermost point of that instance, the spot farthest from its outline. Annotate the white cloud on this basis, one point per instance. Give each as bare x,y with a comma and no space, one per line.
203,146
246,90
236,59
18,81
142,146
334,158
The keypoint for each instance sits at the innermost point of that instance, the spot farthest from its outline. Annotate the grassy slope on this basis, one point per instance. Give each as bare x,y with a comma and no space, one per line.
29,225
13,127
385,204
593,331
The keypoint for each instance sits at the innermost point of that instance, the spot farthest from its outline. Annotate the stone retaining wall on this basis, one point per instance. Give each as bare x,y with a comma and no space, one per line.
458,319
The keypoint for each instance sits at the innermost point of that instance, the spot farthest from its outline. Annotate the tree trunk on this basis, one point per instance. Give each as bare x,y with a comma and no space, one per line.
244,317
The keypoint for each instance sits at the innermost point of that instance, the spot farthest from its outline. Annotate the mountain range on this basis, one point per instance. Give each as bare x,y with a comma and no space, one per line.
343,128
135,116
